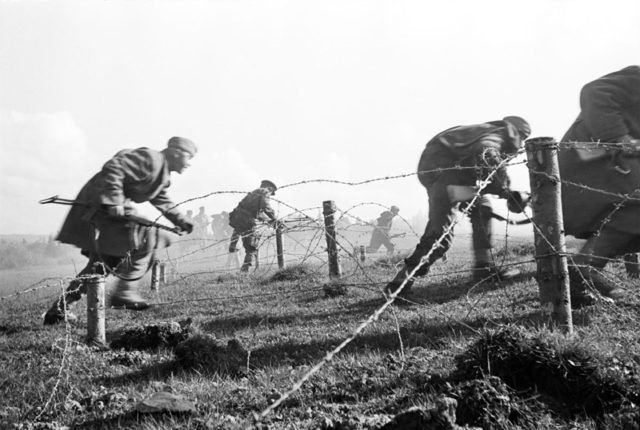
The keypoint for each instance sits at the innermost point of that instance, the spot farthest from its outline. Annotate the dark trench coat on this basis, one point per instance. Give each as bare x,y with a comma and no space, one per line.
138,175
610,109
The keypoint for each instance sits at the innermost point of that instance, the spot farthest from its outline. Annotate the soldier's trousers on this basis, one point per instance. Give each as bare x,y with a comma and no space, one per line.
249,243
378,238
607,244
131,269
441,215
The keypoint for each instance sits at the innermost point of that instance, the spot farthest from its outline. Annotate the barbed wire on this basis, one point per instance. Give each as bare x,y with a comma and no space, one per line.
316,227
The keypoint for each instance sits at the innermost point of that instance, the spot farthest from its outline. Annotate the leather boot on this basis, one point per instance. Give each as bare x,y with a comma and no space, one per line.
403,276
584,281
57,311
126,296
489,272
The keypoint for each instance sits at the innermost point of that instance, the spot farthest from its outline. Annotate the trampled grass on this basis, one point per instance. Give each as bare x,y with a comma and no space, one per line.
257,335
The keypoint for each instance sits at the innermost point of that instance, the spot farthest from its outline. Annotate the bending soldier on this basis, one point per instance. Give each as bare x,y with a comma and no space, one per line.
243,219
610,113
380,233
138,175
460,156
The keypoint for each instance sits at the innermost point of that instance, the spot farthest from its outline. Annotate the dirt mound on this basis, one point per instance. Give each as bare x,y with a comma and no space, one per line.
164,334
569,379
334,289
299,272
204,352
489,403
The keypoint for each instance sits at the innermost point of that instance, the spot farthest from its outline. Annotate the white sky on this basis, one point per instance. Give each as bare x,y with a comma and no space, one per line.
285,90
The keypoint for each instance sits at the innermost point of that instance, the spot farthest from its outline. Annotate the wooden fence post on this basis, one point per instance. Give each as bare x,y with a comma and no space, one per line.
163,273
279,250
95,310
546,203
155,274
328,210
632,265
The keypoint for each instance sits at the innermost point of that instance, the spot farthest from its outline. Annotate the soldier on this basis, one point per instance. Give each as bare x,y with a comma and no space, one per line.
610,114
220,226
138,175
460,156
380,233
201,222
255,205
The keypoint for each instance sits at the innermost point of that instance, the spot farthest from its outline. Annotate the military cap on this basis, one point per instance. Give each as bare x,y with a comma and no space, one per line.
268,184
183,144
394,209
520,124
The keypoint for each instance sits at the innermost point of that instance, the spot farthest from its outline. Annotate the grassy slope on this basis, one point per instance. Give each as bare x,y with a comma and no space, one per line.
287,326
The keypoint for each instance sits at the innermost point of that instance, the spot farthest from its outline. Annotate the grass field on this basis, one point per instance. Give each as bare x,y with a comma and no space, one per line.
282,323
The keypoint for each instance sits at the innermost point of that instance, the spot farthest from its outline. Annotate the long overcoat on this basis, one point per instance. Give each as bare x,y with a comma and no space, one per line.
610,109
132,175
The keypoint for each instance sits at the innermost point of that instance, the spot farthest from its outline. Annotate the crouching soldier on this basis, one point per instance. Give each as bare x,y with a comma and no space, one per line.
98,223
601,184
255,205
459,157
380,234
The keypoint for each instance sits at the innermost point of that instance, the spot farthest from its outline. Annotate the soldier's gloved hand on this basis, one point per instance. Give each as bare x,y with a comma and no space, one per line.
186,226
116,210
517,201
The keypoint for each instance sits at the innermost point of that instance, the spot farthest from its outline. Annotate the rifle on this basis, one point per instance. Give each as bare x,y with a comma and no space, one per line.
133,218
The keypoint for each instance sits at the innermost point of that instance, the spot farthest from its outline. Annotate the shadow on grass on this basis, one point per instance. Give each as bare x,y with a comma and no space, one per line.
431,335
456,287
232,324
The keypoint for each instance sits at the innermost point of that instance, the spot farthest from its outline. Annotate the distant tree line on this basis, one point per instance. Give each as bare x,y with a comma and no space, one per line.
22,253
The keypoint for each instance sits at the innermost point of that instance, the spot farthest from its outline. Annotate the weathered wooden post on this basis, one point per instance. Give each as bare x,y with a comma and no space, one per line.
95,309
632,265
155,274
546,202
163,273
279,250
328,210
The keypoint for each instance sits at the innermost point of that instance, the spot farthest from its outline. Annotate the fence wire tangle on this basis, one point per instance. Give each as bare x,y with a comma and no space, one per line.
313,249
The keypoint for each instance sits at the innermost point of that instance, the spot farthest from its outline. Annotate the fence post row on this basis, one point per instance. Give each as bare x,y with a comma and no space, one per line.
328,210
279,250
546,203
96,334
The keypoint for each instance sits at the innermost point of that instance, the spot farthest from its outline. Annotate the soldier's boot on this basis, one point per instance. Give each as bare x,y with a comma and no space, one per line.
59,310
248,259
126,296
585,281
483,272
403,277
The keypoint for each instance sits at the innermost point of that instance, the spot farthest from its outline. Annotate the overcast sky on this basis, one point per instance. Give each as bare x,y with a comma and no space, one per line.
285,90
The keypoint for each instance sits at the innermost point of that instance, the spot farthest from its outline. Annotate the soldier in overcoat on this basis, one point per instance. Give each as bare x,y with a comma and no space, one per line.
461,156
601,182
254,206
97,224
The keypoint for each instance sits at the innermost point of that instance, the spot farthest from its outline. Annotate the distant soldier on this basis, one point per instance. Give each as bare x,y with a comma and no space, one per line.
460,156
189,217
601,186
220,226
380,234
99,227
201,222
254,206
